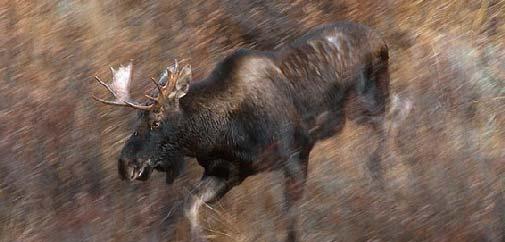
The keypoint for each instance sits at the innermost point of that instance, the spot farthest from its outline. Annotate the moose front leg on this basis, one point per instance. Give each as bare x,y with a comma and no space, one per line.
206,190
211,188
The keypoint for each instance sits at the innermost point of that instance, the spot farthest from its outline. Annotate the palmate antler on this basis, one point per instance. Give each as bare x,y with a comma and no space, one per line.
119,88
168,86
171,84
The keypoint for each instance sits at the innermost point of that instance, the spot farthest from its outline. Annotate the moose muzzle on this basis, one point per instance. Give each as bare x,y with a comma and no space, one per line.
133,170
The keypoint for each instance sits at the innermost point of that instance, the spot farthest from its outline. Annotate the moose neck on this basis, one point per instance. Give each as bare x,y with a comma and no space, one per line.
199,125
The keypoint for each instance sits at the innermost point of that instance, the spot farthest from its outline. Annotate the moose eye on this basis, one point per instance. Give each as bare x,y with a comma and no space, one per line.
135,133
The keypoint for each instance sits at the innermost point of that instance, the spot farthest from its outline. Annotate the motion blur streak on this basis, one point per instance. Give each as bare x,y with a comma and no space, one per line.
444,176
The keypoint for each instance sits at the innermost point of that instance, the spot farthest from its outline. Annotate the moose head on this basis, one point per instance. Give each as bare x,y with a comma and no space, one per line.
153,144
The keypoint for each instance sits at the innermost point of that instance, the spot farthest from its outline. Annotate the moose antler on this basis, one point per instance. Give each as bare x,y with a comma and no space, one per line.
173,83
168,82
119,88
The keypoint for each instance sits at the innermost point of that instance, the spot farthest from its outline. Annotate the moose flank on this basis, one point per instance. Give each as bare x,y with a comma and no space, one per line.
257,111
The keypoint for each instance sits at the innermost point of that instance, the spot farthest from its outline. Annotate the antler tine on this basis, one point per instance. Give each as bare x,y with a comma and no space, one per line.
151,98
173,77
157,84
176,64
123,103
137,106
115,103
105,85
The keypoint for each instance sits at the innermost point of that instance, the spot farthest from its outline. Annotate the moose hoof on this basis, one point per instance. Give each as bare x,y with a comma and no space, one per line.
197,236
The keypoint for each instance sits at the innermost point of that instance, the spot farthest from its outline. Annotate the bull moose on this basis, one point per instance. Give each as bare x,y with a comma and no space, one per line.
257,111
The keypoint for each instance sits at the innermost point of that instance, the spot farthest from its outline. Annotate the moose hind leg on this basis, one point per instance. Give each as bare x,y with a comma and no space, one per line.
375,160
373,92
295,174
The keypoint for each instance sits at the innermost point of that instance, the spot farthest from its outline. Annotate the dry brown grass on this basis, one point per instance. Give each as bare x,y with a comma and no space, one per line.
445,177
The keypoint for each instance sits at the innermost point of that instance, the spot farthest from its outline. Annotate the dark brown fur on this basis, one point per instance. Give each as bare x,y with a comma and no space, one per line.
260,111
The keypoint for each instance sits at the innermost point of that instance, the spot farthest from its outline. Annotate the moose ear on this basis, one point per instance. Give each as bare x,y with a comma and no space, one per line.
182,85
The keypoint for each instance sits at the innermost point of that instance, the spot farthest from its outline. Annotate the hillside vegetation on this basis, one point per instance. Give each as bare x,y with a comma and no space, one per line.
444,170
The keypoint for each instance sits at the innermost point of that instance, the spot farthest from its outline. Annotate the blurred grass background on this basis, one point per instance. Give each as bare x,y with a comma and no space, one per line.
445,169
